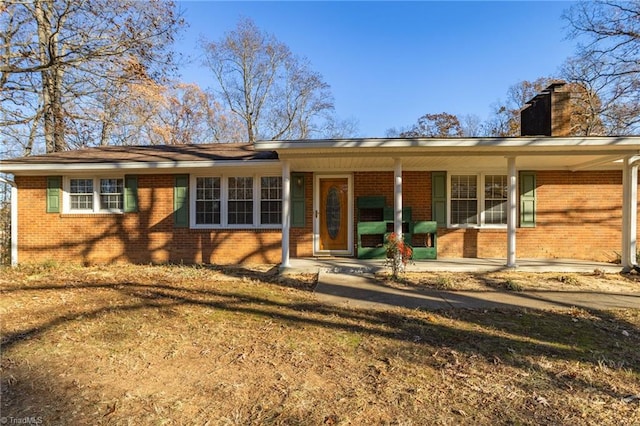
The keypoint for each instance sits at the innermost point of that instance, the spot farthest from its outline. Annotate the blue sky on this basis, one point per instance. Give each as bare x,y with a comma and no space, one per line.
389,63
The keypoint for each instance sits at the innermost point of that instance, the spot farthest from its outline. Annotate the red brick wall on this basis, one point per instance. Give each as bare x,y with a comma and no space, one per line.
578,215
145,236
416,190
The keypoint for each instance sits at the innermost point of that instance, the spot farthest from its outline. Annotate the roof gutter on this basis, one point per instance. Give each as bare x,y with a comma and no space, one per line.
34,168
541,142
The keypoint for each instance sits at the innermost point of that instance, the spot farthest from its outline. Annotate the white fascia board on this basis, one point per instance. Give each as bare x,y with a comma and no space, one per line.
625,142
143,167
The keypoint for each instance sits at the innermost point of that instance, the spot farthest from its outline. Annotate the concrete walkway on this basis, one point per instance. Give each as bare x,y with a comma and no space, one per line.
361,290
351,282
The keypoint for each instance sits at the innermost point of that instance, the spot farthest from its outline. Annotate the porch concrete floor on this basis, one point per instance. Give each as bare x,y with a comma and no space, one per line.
347,264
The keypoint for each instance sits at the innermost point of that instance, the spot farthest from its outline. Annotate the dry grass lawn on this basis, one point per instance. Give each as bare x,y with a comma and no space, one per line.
519,281
192,345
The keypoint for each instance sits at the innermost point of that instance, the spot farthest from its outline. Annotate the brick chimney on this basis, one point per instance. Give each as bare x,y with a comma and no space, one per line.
548,113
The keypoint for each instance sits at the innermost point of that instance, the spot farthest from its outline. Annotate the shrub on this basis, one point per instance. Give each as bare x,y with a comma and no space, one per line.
399,253
512,285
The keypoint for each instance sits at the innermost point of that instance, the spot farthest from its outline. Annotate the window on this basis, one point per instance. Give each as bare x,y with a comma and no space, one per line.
240,206
464,199
495,199
93,195
81,194
111,194
478,200
271,200
236,201
208,201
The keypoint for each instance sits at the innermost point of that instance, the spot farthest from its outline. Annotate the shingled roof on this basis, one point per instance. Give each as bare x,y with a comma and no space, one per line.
150,154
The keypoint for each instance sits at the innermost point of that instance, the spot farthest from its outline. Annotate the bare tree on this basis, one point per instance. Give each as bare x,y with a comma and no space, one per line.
395,132
442,125
273,92
64,63
337,128
501,122
187,114
587,108
608,59
171,113
471,126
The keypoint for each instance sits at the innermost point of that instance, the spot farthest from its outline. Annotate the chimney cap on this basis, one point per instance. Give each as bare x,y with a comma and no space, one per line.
536,98
553,85
546,91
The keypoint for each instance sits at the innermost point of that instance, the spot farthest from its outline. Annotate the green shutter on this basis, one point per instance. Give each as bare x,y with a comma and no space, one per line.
181,201
53,194
527,199
298,205
439,198
130,194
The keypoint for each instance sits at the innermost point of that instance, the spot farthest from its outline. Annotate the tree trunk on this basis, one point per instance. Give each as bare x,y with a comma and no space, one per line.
58,112
51,76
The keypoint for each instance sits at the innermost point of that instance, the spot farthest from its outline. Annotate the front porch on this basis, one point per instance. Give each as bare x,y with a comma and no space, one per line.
473,265
540,197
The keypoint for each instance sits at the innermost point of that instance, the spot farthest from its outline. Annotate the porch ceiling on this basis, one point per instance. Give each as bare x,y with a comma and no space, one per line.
472,163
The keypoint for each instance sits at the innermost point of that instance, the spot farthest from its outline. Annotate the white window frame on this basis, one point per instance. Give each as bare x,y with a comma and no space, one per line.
224,201
268,200
66,195
98,190
243,200
484,200
480,199
194,196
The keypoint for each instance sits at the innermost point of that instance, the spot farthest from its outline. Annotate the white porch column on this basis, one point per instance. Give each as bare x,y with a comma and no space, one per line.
629,212
512,219
397,196
14,225
286,212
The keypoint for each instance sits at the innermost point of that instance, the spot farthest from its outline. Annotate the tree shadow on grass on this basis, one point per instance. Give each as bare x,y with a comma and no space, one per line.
512,337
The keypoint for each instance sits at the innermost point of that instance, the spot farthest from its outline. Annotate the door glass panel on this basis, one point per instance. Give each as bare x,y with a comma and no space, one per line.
332,213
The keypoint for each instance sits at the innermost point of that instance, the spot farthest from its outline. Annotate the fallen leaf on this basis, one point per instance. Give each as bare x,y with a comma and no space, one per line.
331,420
542,401
110,410
459,412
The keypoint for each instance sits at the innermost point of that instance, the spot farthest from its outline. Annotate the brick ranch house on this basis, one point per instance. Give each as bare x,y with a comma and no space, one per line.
548,196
